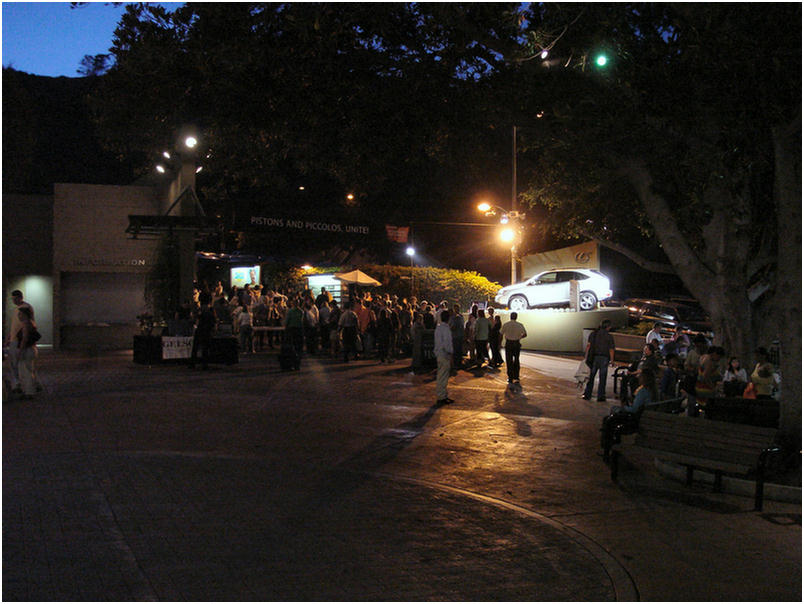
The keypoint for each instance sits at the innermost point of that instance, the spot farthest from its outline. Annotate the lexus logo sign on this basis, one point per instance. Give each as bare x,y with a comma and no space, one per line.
583,257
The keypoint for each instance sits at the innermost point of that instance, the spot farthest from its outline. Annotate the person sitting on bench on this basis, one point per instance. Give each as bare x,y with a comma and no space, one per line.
627,416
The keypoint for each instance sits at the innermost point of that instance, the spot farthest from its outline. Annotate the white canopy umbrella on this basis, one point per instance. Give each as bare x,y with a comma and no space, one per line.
357,277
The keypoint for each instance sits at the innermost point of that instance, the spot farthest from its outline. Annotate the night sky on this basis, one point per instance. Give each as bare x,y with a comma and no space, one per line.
51,39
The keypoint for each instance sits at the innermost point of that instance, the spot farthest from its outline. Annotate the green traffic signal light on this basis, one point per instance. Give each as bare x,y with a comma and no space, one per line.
601,60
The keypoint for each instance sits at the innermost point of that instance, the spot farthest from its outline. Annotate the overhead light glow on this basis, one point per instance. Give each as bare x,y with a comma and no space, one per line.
307,267
165,154
601,60
190,142
507,235
350,196
544,54
198,169
484,207
410,251
160,168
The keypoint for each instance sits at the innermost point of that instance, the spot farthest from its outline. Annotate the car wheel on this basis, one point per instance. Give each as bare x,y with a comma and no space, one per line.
518,303
587,301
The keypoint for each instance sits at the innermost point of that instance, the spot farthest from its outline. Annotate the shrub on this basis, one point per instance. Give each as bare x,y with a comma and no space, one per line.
431,284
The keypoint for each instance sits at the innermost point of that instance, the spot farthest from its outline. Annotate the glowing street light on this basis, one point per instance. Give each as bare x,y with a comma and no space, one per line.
508,235
411,251
190,142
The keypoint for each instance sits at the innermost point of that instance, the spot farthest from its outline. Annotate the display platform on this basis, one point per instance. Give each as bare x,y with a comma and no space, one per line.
560,329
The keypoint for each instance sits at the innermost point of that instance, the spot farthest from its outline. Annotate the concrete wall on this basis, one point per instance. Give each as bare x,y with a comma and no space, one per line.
561,330
89,238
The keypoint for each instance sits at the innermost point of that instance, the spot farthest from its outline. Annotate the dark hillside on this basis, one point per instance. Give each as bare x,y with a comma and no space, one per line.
48,135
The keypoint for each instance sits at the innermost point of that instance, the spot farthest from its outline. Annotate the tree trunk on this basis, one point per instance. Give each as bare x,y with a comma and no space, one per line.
787,148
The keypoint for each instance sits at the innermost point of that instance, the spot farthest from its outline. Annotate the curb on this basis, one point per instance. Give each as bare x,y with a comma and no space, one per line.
731,485
623,583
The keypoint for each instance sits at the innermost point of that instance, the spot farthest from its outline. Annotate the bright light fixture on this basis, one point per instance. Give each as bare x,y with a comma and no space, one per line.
601,60
198,169
160,168
166,154
410,251
484,207
507,235
350,196
544,54
190,142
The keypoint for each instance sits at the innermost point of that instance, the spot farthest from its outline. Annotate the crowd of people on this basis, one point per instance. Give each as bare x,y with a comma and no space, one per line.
674,369
384,323
385,327
365,325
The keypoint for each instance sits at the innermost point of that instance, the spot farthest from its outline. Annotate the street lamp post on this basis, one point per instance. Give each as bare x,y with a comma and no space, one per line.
411,252
512,234
513,202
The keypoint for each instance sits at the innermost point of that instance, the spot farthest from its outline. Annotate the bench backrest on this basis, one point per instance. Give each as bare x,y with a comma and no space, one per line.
757,412
709,439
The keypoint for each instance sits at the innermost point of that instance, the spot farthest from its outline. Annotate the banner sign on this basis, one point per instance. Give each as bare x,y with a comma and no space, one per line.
584,255
398,234
307,225
177,347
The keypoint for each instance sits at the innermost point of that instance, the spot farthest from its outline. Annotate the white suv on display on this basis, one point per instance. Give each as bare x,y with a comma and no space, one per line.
552,288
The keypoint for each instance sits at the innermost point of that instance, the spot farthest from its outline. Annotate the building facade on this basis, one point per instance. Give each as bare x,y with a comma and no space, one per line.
71,257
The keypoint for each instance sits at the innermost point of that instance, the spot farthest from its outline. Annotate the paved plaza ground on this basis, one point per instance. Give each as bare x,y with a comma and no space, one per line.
347,482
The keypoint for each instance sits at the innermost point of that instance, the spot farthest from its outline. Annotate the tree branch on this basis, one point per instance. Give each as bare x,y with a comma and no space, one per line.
649,265
684,259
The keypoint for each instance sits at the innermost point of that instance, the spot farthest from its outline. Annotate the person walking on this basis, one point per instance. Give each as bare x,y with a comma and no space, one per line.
27,337
599,354
443,353
513,331
12,339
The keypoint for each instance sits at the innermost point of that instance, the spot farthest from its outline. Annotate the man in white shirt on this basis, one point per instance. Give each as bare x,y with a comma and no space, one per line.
443,354
655,336
513,332
11,340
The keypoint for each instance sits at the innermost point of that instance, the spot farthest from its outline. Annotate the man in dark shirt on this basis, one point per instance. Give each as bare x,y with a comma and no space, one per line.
600,351
204,329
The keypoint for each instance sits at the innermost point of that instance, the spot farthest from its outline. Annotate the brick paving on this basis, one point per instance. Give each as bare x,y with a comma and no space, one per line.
345,482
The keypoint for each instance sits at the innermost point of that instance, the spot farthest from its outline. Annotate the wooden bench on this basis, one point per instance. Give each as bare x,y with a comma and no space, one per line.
756,412
698,443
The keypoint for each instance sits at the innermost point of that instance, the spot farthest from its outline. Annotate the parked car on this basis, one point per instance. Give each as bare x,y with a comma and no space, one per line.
552,288
693,319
